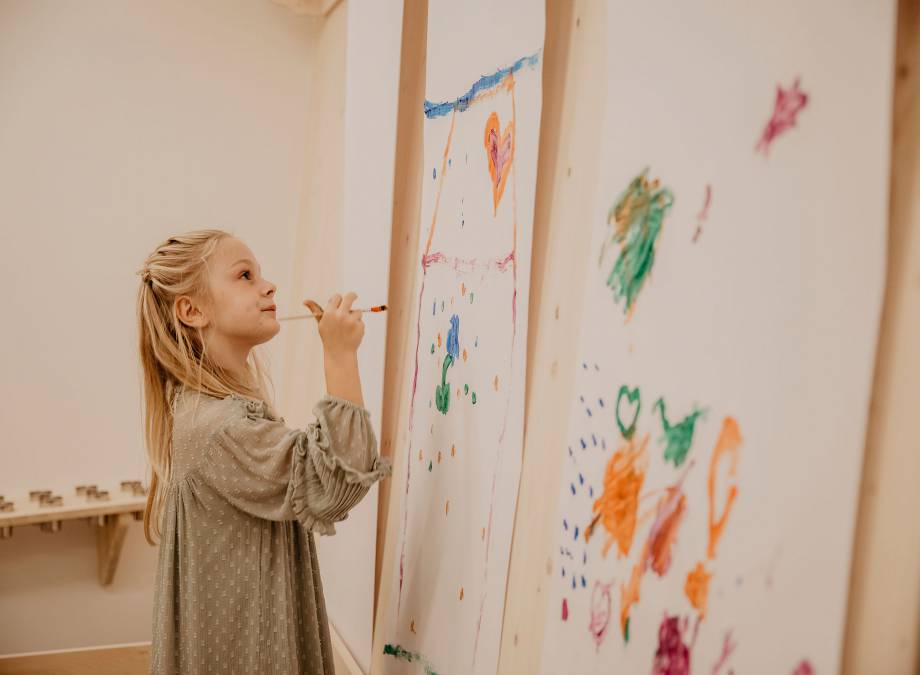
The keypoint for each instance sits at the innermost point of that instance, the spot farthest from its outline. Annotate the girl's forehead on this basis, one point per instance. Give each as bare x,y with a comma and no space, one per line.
231,250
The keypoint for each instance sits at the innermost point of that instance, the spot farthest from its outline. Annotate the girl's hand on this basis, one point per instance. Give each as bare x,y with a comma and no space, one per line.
341,329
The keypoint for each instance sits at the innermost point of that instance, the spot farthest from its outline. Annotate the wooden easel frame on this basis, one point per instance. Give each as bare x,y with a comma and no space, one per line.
883,623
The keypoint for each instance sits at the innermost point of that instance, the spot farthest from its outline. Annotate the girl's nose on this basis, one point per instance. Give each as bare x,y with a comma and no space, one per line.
270,291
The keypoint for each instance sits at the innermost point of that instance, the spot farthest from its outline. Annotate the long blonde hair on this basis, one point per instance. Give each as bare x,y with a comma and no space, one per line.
174,356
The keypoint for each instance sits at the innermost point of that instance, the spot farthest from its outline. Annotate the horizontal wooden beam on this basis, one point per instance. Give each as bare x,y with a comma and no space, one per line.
129,659
74,508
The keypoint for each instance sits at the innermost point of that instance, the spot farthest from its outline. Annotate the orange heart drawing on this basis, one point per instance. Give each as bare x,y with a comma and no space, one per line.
500,151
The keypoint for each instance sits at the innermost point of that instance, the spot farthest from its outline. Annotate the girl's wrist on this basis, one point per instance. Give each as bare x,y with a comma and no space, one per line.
342,376
340,356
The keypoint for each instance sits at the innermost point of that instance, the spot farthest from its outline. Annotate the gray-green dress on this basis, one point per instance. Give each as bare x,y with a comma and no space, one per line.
238,588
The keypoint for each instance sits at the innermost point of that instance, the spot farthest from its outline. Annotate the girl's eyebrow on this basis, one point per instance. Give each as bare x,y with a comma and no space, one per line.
242,260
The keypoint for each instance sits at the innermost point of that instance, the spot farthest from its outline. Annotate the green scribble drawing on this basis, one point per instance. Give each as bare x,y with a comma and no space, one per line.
678,437
412,657
631,395
442,391
636,219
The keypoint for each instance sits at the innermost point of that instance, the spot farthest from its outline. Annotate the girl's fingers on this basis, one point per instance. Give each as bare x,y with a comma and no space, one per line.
314,308
335,301
347,301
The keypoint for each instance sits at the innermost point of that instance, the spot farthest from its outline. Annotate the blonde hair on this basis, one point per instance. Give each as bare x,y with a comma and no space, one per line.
173,355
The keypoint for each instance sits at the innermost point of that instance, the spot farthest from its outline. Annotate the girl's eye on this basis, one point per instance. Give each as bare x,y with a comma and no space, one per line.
246,275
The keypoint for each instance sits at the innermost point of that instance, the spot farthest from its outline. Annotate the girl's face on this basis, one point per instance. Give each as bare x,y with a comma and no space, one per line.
241,306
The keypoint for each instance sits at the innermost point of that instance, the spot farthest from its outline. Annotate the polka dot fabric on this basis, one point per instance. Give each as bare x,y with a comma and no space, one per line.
238,589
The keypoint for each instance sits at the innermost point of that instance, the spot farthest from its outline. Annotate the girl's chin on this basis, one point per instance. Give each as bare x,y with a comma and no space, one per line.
266,331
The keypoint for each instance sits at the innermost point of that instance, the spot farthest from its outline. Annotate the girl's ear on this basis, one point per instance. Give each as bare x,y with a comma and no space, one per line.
189,313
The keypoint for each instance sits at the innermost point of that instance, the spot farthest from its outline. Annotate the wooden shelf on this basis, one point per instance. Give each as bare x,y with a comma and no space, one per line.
108,517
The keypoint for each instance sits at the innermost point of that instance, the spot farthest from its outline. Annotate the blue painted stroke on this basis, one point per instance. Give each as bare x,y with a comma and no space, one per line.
453,337
484,83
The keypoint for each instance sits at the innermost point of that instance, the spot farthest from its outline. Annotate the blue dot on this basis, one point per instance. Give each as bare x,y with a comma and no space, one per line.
583,444
588,410
434,173
594,440
590,491
565,524
563,571
576,533
572,485
434,307
448,161
584,365
581,479
573,583
600,402
583,581
581,398
603,444
584,557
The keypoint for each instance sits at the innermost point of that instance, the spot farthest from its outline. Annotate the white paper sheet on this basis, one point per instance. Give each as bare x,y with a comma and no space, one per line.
466,413
754,325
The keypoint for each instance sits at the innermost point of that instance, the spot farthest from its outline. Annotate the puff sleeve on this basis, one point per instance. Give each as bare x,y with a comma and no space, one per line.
315,476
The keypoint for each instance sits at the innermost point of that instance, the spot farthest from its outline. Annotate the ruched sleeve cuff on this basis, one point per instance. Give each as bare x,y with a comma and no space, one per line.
334,465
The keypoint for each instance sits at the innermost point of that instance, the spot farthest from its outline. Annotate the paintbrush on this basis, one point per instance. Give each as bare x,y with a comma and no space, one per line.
317,312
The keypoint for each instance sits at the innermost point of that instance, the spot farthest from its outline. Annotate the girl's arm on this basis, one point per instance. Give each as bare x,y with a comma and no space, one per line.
342,377
341,331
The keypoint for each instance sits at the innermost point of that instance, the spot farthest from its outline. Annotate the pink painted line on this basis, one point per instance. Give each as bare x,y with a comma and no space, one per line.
467,264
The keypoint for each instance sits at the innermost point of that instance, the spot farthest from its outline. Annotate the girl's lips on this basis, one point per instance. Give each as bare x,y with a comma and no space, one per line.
270,309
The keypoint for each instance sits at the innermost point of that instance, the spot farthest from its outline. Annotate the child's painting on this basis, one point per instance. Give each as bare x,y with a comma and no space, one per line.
731,302
482,116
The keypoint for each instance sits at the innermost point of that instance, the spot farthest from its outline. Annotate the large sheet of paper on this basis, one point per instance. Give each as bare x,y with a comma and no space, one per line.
481,130
731,304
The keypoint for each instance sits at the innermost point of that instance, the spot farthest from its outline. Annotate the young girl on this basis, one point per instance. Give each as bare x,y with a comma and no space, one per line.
236,495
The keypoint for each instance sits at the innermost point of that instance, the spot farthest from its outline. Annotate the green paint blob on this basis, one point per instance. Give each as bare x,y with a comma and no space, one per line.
471,297
397,651
442,391
474,398
678,437
636,218
466,389
400,653
626,629
430,465
632,396
432,347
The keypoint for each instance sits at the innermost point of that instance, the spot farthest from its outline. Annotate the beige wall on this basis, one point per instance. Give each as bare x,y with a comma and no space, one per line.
119,124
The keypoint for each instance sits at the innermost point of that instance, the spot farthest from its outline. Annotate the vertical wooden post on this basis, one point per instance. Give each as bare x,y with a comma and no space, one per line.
574,92
110,538
404,267
883,623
